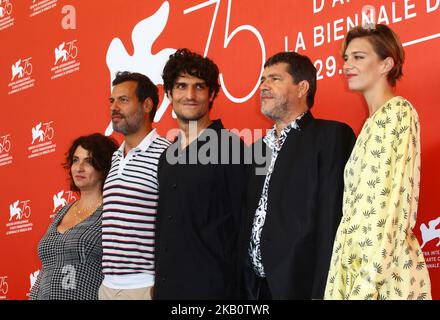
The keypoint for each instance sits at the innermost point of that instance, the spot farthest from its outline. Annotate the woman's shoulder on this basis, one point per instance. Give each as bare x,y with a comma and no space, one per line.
398,108
401,104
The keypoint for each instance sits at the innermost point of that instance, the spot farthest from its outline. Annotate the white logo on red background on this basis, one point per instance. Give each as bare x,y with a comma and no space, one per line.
65,61
21,71
19,209
5,147
430,232
42,132
19,214
5,8
144,34
41,6
21,68
33,278
65,51
59,201
42,135
4,287
5,144
6,19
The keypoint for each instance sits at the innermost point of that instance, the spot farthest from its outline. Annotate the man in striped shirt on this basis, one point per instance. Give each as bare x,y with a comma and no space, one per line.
131,191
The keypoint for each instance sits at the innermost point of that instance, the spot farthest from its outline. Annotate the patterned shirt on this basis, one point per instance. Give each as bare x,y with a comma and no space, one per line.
274,143
71,261
130,199
376,254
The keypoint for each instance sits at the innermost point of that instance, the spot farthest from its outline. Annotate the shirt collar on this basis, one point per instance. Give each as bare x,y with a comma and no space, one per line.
275,142
144,144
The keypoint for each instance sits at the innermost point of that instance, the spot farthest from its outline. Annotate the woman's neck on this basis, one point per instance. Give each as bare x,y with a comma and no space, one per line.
378,97
91,197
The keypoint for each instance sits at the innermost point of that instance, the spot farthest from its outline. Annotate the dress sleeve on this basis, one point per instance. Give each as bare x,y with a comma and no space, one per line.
394,200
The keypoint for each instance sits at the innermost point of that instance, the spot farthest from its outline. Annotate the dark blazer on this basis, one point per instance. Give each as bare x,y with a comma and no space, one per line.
304,207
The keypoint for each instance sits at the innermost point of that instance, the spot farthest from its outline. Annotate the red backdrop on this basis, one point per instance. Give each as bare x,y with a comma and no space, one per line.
58,58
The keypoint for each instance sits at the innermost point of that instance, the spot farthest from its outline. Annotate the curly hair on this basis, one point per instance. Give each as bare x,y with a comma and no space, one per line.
101,149
185,61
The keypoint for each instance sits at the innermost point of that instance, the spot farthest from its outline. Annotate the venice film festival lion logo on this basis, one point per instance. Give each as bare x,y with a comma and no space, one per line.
19,209
430,232
5,8
21,68
143,61
59,201
42,132
65,50
33,278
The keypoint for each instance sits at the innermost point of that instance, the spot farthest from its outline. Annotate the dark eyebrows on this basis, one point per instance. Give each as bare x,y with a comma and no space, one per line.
200,83
118,97
357,52
270,75
77,158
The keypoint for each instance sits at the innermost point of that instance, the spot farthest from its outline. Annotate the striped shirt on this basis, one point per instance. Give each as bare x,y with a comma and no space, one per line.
130,201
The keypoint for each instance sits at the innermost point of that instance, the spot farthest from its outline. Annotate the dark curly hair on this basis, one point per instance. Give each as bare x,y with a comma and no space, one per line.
145,87
101,149
300,68
185,61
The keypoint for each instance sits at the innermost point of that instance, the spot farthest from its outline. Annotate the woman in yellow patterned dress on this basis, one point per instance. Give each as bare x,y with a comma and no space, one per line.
376,254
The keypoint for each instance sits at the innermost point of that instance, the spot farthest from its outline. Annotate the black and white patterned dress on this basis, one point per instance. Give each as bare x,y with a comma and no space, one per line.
71,261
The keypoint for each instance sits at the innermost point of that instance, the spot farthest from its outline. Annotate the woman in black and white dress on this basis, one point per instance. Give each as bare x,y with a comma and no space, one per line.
71,251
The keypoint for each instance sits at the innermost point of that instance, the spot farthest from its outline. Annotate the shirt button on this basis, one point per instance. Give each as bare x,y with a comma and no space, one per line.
170,217
164,278
174,185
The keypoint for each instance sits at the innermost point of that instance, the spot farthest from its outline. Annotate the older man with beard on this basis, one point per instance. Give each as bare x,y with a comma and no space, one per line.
295,208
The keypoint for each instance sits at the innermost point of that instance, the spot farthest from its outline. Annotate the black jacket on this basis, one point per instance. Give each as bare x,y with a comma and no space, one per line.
304,207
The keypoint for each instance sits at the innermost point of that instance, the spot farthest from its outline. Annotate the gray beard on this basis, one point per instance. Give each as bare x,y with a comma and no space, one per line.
131,126
277,113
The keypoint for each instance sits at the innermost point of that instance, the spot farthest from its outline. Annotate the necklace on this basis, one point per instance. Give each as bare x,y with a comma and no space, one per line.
84,213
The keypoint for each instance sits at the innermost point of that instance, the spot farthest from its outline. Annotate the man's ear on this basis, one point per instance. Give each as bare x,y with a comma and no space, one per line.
211,97
147,105
303,88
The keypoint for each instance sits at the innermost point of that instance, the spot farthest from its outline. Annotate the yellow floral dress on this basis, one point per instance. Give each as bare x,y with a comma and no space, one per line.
375,254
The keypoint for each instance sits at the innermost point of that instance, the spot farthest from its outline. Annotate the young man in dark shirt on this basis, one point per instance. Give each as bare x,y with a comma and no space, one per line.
201,190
